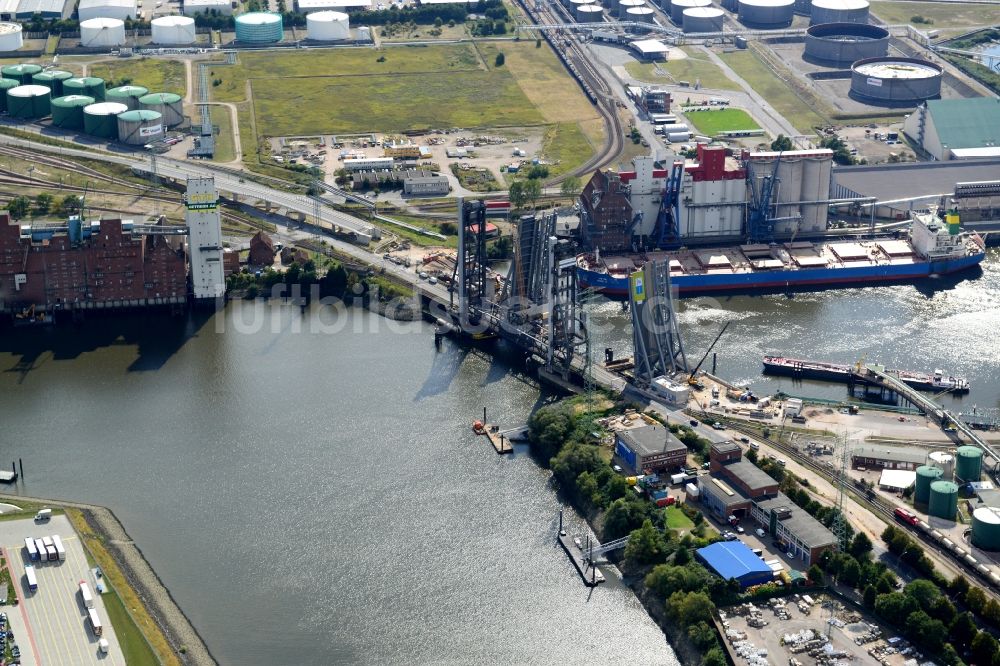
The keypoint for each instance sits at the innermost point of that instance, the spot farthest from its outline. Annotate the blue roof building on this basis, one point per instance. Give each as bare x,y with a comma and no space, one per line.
732,559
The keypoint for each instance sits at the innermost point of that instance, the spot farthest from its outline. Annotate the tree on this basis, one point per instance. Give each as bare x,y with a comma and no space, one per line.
816,575
958,587
570,186
623,516
533,190
18,207
587,489
975,599
869,596
682,555
925,631
690,607
714,657
573,459
983,648
894,606
548,429
991,612
499,59
963,630
923,591
70,205
646,545
943,610
782,143
517,195
861,546
702,635
538,43
438,22
850,572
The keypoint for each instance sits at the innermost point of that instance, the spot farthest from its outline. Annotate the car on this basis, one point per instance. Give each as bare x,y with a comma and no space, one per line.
432,280
740,530
745,440
422,275
729,536
755,446
617,468
759,532
694,423
15,651
782,462
718,426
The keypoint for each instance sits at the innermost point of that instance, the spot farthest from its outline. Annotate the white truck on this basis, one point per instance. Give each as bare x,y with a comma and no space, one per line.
85,595
60,550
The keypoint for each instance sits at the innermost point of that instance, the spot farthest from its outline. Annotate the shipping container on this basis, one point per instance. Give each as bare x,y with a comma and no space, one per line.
29,545
85,595
42,554
29,573
57,542
692,490
678,478
53,555
95,622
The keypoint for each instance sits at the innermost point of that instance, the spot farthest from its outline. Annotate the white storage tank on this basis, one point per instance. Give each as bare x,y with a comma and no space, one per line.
363,34
767,14
589,14
625,5
102,32
177,30
328,26
702,19
640,15
139,127
944,461
10,37
677,8
838,11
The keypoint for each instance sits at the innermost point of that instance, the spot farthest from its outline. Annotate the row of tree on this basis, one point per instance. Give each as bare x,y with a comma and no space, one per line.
43,204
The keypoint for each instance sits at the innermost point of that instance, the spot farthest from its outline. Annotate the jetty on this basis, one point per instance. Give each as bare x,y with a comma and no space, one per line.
591,575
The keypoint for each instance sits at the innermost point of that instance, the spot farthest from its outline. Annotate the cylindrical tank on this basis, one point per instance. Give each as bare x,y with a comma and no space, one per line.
168,105
944,461
20,73
986,528
91,86
589,13
29,101
127,95
137,128
328,26
677,8
802,7
102,32
573,4
730,5
363,34
673,127
67,111
943,501
259,28
101,119
968,463
52,79
678,137
5,85
11,38
926,475
176,30
703,19
841,44
892,80
767,14
639,15
838,11
622,6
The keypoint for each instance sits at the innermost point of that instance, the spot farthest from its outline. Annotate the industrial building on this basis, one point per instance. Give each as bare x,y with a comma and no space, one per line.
713,196
802,536
367,163
733,560
426,186
208,271
650,49
954,129
192,7
49,9
803,176
308,6
606,212
650,449
887,457
112,9
896,480
407,151
261,250
893,81
654,100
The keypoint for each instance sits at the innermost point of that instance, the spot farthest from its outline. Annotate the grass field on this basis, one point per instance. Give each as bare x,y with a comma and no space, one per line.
711,123
696,67
566,147
943,14
157,74
676,520
134,647
773,89
225,149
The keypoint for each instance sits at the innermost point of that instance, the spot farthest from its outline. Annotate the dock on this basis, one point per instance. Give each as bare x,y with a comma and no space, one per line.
500,443
591,575
7,476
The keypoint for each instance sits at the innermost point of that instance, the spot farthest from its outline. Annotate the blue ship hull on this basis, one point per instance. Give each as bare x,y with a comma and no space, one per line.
785,279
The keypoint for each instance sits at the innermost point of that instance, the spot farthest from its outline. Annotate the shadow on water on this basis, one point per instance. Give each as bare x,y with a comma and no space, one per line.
445,368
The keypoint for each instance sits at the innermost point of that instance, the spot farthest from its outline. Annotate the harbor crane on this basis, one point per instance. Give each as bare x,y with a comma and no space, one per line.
693,377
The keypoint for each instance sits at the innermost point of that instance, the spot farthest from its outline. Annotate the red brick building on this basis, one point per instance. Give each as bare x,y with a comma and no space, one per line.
606,213
261,250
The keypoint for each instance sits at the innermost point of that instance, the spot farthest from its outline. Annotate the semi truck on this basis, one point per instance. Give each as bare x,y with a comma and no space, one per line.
29,545
29,574
60,551
85,595
95,622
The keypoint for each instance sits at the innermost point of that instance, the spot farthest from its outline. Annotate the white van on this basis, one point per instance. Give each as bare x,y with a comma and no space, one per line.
43,515
759,532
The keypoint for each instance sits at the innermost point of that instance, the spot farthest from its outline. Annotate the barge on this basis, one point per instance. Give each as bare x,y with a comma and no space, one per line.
935,382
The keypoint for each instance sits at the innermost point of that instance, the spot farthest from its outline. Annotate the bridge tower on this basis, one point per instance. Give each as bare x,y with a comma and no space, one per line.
656,338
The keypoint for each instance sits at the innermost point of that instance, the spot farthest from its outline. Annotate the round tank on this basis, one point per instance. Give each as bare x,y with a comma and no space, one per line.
259,28
767,13
969,463
363,34
840,44
639,15
168,105
91,86
5,85
101,119
926,475
11,38
173,30
838,11
52,79
328,26
67,111
703,19
20,73
943,501
944,461
29,101
802,7
137,128
895,81
623,6
677,8
589,13
986,528
127,95
730,5
678,137
102,32
573,4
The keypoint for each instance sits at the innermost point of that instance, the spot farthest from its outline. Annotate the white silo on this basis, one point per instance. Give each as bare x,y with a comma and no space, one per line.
100,32
328,26
10,37
173,30
363,34
945,461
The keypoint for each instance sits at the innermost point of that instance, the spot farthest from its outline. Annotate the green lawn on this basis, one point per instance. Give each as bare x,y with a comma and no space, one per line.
157,74
134,647
710,123
225,150
696,67
942,14
566,147
773,89
676,520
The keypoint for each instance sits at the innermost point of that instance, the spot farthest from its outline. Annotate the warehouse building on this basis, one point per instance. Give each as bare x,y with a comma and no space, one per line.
650,449
721,499
733,560
650,49
309,6
49,9
116,9
887,457
956,129
192,7
432,185
802,536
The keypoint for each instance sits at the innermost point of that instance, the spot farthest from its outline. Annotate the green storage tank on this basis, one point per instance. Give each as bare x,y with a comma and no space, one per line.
944,499
91,86
67,111
127,95
101,119
986,528
926,475
969,463
28,102
52,79
20,73
5,85
168,105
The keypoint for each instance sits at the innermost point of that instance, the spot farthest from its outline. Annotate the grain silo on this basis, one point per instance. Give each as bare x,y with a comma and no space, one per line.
328,26
838,11
67,111
259,28
926,475
52,79
137,128
101,119
766,14
943,502
968,463
640,15
176,30
703,19
102,33
29,102
589,14
5,85
91,86
127,95
986,528
11,38
168,105
20,73
895,81
677,8
841,44
622,6
944,461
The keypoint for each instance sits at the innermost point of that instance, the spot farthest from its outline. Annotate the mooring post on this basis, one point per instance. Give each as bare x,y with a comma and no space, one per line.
21,462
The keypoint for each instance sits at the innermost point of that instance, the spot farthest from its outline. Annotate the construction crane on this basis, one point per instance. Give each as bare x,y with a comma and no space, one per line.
693,378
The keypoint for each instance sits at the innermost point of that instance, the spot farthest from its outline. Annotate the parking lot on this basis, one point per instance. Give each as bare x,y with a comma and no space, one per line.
50,625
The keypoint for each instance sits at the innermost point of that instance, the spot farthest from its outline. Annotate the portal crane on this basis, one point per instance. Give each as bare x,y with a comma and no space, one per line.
693,378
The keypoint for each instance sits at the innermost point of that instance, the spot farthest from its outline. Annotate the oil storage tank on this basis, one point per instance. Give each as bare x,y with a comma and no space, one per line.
677,8
622,6
895,81
703,19
589,13
576,4
259,28
67,111
139,127
20,73
102,32
926,475
968,463
944,461
29,101
52,79
5,85
101,119
328,26
986,528
730,5
640,15
127,95
11,37
168,105
173,30
766,14
838,11
91,86
841,44
943,501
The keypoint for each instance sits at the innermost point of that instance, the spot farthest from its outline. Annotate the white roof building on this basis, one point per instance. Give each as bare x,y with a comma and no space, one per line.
650,48
306,6
192,7
896,479
119,9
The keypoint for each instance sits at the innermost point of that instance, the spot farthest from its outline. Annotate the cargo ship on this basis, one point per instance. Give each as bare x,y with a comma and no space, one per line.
932,248
939,381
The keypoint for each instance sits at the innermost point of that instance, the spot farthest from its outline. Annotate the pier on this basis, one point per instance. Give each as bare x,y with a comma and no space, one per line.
500,443
588,571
